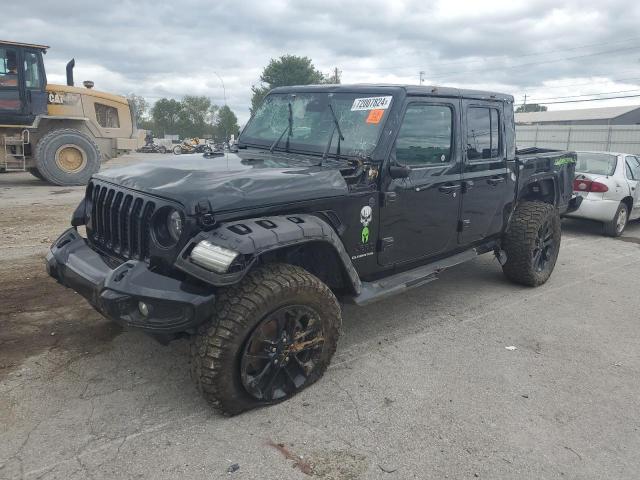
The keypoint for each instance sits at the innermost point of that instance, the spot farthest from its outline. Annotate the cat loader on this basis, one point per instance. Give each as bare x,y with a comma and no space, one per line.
59,133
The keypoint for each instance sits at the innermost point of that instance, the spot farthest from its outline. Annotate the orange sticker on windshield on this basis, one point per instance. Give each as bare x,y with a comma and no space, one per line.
375,116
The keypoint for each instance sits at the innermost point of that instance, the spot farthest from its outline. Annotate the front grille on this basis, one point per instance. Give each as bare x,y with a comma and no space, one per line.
120,220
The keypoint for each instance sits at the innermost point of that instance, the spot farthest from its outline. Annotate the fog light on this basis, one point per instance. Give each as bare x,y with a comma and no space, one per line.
213,257
144,309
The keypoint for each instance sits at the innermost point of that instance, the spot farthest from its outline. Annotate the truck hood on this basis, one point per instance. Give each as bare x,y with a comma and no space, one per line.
232,181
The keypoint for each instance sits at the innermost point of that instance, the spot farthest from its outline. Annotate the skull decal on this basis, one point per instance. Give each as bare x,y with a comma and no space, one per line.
365,215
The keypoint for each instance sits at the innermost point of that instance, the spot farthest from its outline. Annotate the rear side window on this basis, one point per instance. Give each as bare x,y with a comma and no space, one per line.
596,163
107,116
483,133
425,135
633,168
32,71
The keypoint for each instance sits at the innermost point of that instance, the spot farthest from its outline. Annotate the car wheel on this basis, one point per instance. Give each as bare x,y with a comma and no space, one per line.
272,335
67,157
532,243
616,226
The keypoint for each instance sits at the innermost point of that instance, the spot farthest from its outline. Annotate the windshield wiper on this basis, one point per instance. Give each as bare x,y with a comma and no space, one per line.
288,129
336,126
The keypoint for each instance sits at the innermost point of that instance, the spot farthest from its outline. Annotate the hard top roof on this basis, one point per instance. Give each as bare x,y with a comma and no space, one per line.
18,44
426,90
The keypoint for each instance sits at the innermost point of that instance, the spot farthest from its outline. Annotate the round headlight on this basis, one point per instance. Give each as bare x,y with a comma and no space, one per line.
174,225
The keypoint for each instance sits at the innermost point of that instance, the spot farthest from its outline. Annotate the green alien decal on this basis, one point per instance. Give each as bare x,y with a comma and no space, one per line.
365,234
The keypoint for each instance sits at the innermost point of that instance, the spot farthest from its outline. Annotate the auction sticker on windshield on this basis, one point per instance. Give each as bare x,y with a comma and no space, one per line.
371,103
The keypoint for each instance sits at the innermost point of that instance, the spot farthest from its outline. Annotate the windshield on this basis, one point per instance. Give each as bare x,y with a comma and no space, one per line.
360,117
596,163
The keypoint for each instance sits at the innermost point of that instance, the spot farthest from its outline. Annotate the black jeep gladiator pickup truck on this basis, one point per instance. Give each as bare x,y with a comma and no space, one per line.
351,192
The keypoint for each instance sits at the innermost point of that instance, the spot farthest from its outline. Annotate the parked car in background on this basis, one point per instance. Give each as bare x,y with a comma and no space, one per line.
608,185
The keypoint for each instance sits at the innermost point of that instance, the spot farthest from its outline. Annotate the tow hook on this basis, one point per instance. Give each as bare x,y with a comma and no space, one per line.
501,256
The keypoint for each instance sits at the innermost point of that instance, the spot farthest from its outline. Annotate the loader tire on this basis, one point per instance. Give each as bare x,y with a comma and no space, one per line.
36,173
271,336
67,157
532,243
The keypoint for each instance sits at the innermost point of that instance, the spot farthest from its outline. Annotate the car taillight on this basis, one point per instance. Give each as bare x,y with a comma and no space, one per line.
589,186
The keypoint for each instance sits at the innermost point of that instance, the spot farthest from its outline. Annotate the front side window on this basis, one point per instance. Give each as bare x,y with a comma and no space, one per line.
9,94
32,71
107,116
425,136
596,163
483,133
360,117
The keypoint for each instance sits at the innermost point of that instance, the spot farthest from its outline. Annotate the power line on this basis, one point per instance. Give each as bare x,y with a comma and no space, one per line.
484,59
537,100
590,99
537,63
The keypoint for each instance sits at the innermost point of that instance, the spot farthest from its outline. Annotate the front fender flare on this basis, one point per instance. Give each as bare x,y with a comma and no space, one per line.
253,237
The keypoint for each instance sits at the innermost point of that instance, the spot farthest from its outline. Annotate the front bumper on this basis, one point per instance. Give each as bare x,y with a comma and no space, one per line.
171,305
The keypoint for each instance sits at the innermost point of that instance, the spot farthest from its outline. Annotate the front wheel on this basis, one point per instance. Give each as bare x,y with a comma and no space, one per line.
67,157
532,243
616,226
177,150
272,335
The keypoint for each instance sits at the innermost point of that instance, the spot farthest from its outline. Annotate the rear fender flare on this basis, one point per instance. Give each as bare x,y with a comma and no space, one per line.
257,236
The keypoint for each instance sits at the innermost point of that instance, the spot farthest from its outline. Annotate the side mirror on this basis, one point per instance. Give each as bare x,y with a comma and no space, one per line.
399,171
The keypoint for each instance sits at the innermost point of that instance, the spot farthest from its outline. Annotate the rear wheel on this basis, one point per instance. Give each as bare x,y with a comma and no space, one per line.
272,335
67,157
532,243
162,149
616,226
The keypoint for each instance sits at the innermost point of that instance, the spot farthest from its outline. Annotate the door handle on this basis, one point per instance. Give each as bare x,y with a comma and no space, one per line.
449,188
495,180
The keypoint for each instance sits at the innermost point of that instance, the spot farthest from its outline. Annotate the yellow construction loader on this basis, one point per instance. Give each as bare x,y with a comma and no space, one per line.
59,133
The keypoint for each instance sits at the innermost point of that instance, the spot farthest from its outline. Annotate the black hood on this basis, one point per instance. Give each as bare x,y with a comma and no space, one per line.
233,181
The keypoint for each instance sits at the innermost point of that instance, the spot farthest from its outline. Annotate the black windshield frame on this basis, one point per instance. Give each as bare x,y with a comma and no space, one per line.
357,131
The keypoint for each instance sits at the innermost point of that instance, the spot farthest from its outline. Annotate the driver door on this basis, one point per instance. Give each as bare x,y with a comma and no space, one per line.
11,104
419,215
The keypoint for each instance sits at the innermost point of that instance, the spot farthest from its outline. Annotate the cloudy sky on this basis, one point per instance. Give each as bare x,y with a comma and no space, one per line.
548,50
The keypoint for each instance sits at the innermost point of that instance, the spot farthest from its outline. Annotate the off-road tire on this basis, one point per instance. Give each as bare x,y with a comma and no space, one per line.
46,163
218,345
520,243
36,173
612,228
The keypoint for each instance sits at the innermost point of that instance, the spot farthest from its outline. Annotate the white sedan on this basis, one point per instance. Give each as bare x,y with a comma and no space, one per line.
609,186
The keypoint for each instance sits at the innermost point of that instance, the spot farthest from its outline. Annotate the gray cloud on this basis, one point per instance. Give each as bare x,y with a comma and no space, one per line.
171,49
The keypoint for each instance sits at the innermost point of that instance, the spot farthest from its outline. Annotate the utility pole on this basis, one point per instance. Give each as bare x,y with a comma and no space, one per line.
524,105
336,76
422,72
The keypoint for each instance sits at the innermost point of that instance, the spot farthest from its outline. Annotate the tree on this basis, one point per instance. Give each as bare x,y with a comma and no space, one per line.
282,72
140,105
166,114
193,116
531,107
226,124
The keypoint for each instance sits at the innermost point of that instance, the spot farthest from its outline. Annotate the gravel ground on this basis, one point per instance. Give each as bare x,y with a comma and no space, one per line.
422,385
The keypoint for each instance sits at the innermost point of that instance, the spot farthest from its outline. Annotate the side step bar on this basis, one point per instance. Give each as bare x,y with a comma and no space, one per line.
400,282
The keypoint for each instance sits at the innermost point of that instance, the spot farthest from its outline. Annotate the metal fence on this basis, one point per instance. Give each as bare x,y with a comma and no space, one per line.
607,138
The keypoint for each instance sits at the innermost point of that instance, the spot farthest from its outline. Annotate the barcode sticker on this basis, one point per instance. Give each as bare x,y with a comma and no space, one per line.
371,103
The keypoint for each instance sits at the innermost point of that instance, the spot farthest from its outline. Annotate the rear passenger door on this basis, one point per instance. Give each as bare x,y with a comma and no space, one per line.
484,171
